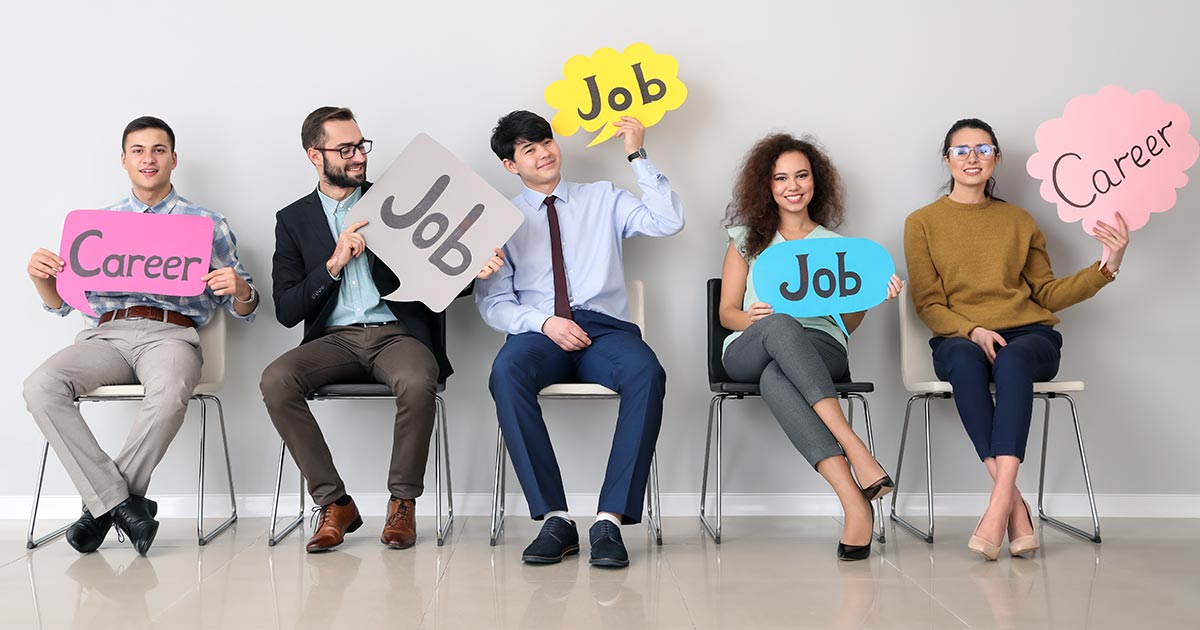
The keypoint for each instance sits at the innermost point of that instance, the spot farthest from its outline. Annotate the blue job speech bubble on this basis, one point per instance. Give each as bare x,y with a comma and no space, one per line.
814,277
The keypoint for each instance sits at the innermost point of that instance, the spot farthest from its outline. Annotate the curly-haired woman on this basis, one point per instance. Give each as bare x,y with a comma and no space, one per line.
788,189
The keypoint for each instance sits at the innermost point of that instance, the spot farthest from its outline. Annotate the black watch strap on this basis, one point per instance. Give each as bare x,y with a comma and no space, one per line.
640,153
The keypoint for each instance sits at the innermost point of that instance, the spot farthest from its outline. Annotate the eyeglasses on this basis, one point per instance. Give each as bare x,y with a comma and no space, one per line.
348,150
984,152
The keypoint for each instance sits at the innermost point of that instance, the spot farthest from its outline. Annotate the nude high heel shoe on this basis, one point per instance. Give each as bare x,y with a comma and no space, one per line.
981,546
1025,544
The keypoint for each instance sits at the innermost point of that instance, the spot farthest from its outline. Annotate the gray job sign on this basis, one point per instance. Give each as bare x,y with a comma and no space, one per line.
434,222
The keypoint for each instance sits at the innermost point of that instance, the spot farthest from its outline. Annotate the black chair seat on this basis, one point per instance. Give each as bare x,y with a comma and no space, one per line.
752,389
356,390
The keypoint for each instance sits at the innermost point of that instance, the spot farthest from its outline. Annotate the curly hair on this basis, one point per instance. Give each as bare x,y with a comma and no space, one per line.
753,205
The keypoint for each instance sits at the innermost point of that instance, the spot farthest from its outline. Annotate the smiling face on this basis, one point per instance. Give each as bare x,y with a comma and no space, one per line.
149,158
792,182
336,171
972,172
538,164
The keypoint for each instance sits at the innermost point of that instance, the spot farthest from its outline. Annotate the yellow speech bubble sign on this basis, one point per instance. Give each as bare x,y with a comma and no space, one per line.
598,90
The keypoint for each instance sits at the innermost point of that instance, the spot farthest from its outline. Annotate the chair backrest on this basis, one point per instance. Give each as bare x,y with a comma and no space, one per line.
636,290
916,361
716,334
212,344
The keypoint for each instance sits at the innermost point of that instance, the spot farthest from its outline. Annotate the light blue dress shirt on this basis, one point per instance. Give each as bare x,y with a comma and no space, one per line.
358,299
593,221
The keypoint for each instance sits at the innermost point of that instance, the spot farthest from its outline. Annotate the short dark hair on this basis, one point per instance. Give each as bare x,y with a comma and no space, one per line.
312,132
517,126
147,122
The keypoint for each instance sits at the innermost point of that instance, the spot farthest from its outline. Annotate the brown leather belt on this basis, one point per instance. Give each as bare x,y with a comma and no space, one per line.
149,312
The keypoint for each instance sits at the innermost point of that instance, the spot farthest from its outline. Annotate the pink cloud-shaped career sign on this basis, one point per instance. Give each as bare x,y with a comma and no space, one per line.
1114,152
133,252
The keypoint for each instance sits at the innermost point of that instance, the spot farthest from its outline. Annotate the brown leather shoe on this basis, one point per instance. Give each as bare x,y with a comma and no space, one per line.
400,530
333,523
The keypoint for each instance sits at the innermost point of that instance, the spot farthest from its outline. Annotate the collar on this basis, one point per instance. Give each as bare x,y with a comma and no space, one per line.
536,200
163,207
331,205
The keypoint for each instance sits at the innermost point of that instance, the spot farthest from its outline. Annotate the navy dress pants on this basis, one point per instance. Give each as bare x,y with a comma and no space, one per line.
617,359
1000,427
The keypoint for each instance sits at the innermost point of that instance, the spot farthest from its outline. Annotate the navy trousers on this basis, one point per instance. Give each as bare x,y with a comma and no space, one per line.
1002,427
617,359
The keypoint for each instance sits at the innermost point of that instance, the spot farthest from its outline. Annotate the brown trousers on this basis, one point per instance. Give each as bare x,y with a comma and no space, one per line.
352,354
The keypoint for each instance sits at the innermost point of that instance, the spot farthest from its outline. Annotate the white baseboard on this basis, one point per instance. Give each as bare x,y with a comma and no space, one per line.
676,504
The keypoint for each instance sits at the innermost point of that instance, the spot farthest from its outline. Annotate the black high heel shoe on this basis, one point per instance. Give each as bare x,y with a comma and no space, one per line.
858,552
879,488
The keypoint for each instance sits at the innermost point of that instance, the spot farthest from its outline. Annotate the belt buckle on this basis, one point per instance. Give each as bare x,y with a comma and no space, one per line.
128,316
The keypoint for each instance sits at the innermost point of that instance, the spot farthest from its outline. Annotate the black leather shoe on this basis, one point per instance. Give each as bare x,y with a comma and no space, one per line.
87,534
134,517
857,552
608,550
557,540
879,488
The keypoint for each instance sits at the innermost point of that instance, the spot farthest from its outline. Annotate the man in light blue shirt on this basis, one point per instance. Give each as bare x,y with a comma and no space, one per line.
562,301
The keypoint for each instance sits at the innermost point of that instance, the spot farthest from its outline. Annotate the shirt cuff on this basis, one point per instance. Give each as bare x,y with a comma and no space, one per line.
62,311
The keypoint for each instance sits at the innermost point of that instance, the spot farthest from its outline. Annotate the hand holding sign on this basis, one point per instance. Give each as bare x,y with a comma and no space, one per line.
404,230
823,276
133,252
1113,152
597,91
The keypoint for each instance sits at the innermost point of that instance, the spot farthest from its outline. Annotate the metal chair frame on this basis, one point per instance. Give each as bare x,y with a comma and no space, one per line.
211,335
725,388
583,391
441,457
919,379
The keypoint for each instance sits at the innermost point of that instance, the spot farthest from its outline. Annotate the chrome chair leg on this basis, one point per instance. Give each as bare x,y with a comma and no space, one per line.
441,444
654,503
273,538
714,416
498,490
926,535
30,542
201,537
1094,536
879,535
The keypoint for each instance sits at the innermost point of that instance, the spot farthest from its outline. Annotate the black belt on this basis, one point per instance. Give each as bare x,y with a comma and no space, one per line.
371,324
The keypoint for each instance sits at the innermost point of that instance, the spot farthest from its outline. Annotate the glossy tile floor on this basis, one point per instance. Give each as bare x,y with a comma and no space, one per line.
768,573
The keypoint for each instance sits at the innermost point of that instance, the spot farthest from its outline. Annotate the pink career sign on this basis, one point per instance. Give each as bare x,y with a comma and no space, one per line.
133,252
1114,152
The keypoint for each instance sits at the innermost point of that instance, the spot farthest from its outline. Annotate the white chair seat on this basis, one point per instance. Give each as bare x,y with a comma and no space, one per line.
1049,387
576,389
124,391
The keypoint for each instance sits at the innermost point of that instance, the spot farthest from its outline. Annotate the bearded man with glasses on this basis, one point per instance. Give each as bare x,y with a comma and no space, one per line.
325,276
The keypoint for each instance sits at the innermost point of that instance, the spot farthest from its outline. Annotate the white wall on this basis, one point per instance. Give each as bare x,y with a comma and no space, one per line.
878,83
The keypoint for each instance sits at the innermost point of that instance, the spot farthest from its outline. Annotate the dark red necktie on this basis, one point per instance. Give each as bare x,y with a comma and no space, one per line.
562,305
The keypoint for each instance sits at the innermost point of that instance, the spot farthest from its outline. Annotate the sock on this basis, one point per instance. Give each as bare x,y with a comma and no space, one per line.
344,501
560,514
608,517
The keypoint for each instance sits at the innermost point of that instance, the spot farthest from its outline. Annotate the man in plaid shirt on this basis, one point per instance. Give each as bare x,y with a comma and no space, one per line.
138,338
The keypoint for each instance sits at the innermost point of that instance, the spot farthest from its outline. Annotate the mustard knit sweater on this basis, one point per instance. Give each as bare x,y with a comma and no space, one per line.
985,264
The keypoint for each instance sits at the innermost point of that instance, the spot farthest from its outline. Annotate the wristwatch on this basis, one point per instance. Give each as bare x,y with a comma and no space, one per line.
1109,275
253,294
640,153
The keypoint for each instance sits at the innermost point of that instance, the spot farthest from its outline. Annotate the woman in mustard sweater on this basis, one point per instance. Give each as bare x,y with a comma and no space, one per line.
788,189
980,278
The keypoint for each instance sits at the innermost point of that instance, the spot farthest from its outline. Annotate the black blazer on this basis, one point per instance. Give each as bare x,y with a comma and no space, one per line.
304,291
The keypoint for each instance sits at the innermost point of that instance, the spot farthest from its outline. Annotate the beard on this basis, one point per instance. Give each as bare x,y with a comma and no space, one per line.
340,179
